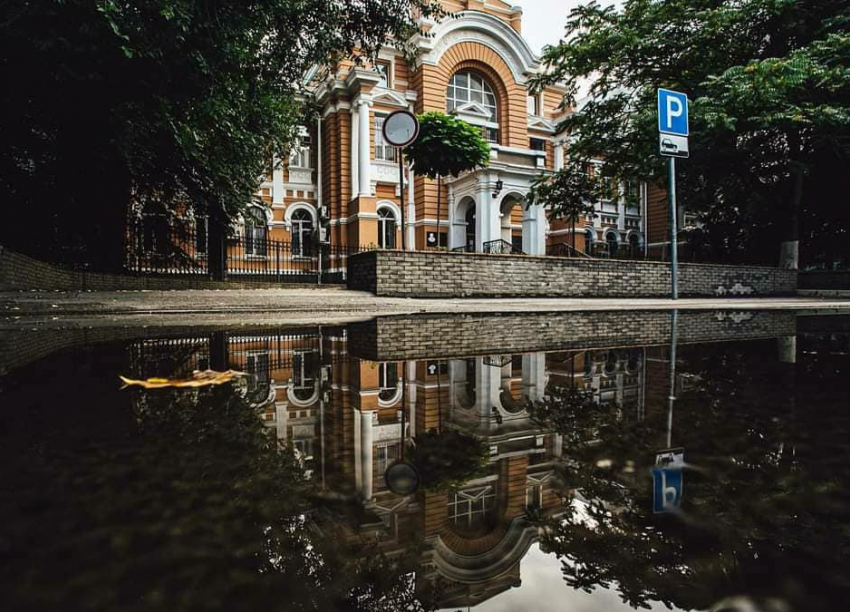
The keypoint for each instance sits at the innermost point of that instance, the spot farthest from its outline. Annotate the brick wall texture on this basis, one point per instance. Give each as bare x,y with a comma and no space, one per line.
442,274
21,273
451,336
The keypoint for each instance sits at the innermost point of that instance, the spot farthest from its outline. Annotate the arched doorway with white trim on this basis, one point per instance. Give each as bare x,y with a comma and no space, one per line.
302,220
463,231
511,215
389,223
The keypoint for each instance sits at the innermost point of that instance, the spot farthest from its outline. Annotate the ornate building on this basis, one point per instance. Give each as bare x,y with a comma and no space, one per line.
341,184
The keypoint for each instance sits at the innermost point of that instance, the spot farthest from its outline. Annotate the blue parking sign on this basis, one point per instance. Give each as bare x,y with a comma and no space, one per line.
666,490
673,113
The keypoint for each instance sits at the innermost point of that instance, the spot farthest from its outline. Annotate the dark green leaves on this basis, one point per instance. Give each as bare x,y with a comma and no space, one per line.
447,146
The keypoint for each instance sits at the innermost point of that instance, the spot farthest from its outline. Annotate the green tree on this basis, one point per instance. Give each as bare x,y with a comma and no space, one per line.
568,194
770,84
448,459
764,490
446,146
166,103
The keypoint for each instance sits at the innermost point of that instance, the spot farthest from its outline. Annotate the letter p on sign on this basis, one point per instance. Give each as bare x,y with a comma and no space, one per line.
672,112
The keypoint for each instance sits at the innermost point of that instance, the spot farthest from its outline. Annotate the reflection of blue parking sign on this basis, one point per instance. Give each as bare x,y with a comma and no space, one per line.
672,112
666,490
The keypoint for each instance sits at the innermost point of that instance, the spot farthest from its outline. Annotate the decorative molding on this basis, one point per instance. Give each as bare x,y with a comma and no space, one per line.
300,176
389,97
488,30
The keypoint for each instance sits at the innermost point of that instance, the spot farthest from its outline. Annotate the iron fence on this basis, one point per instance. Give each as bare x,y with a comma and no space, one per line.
159,249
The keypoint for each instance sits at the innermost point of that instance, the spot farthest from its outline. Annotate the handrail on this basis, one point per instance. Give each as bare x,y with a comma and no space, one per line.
563,249
501,247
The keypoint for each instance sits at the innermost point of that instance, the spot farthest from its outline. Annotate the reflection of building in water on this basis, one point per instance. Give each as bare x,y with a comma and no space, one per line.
343,418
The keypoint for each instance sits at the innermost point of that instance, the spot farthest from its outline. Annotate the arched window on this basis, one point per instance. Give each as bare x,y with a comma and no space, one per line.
304,366
634,244
256,231
386,228
302,233
468,86
388,381
613,243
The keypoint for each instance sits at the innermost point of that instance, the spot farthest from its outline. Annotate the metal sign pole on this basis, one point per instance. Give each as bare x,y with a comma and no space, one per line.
401,193
671,399
674,230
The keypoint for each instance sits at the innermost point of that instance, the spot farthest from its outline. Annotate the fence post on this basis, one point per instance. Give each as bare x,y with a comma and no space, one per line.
320,248
277,259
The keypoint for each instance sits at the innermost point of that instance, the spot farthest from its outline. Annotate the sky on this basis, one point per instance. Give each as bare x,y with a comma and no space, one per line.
543,21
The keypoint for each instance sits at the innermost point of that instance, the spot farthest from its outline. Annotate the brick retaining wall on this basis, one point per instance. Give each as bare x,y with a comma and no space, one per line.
395,338
21,273
442,274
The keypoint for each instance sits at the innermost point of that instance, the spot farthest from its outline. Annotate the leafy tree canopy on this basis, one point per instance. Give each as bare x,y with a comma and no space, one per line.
447,146
448,459
165,102
770,83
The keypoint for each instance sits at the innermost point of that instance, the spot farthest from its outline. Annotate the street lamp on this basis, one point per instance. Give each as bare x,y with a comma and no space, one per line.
499,185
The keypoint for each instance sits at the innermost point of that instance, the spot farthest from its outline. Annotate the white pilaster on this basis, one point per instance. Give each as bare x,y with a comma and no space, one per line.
277,181
364,147
366,455
355,166
559,156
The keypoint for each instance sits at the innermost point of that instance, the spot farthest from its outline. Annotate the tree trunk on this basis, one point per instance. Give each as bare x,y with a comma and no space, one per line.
217,246
789,252
439,203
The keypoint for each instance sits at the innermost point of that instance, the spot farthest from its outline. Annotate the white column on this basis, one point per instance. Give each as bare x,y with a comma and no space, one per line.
364,146
277,181
355,183
787,349
411,211
488,224
488,386
559,156
366,455
534,376
534,230
319,172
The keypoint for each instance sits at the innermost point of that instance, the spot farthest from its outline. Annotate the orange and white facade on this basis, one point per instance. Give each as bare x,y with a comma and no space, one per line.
341,185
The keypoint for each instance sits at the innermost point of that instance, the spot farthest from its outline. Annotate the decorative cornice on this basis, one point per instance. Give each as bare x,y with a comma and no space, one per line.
488,30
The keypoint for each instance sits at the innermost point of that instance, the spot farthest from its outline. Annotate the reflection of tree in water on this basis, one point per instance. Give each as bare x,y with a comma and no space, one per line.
764,513
181,500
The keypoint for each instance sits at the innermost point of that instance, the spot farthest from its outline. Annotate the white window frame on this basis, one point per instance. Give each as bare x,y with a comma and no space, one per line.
383,151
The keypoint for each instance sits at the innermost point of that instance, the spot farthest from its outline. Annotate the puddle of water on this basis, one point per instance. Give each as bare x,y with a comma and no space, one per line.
527,470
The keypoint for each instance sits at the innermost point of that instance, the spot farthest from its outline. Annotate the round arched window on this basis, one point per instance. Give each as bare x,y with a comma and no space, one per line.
256,231
613,243
469,86
386,228
302,232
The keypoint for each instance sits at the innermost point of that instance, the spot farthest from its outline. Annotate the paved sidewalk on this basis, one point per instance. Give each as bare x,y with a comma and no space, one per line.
305,306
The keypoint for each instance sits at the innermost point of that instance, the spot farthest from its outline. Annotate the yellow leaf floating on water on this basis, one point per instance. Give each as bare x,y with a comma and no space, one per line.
199,378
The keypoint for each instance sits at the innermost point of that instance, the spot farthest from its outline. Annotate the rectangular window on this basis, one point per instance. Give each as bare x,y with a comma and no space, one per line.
534,105
537,144
300,157
383,69
491,135
383,151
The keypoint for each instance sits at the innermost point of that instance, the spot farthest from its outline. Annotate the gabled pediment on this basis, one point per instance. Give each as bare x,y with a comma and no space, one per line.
540,123
472,109
389,97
